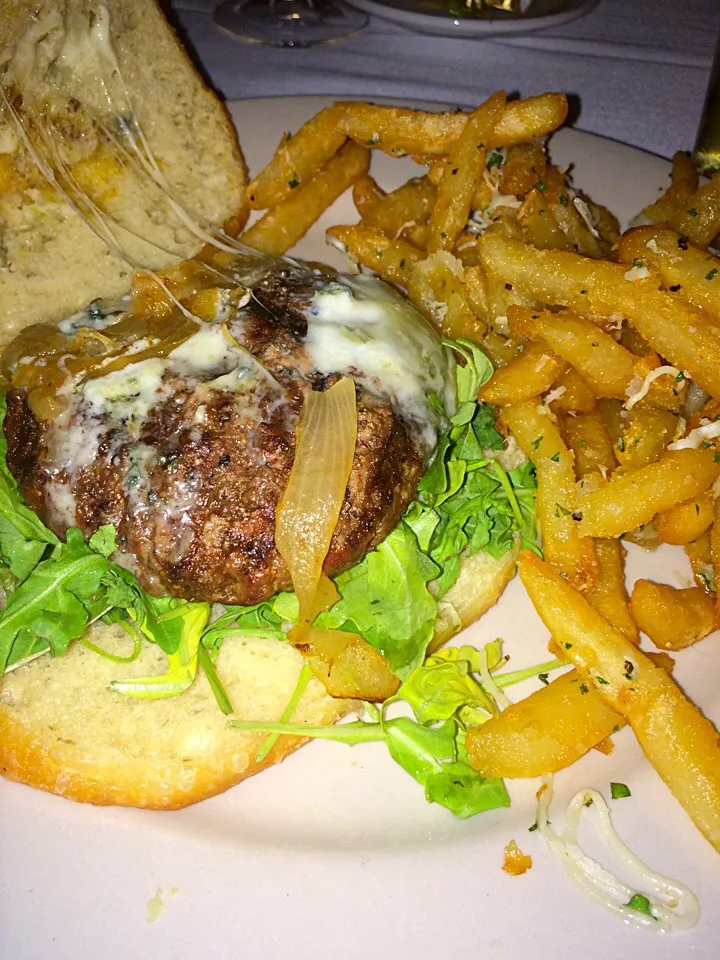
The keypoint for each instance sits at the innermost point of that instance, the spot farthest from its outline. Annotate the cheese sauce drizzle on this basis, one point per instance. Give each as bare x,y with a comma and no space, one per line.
672,905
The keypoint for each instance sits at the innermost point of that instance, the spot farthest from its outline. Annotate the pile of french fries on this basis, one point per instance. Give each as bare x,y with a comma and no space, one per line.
607,357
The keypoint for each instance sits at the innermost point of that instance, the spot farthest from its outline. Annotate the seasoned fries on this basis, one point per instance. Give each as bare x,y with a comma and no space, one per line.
535,430
679,264
687,521
390,259
700,220
673,327
543,733
290,220
297,159
605,348
673,618
632,498
684,184
602,362
527,375
462,175
677,739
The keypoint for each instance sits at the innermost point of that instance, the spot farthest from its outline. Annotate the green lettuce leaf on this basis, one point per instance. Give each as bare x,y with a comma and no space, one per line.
24,539
386,600
434,756
50,608
189,621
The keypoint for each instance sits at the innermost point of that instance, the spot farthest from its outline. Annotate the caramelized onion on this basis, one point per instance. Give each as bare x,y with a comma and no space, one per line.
310,507
306,519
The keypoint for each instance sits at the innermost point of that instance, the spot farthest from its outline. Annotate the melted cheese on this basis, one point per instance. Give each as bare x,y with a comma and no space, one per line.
708,430
361,327
127,395
637,393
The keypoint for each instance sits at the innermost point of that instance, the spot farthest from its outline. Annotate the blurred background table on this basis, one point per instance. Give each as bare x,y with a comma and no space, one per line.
639,68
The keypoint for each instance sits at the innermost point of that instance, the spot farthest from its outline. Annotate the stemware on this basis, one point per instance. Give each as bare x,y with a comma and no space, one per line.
288,23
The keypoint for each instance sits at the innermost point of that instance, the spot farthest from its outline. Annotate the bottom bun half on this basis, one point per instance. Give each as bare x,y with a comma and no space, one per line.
62,729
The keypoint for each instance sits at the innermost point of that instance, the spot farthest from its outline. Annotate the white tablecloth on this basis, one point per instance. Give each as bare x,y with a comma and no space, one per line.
637,68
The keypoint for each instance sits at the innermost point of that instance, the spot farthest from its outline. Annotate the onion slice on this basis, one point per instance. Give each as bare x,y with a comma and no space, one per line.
310,507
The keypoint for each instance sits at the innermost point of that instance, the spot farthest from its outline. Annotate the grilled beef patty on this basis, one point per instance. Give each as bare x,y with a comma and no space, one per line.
188,456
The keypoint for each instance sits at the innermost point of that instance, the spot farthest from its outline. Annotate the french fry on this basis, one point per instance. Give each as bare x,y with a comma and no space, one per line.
632,498
537,433
676,738
552,220
674,328
476,292
389,259
530,119
699,553
680,264
436,287
687,521
297,159
524,165
609,596
606,223
578,235
671,617
715,556
462,174
366,193
699,221
648,429
606,366
399,212
572,393
465,249
398,130
281,228
529,373
675,199
500,349
544,732
588,439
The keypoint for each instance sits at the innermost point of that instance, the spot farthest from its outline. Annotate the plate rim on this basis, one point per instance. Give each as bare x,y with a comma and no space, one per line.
442,25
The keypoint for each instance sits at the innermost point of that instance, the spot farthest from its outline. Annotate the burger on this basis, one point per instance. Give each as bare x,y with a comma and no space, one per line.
230,485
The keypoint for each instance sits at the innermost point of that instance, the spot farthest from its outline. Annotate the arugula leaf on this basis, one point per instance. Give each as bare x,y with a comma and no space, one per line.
23,537
103,540
431,755
386,600
483,427
474,374
190,620
443,688
49,609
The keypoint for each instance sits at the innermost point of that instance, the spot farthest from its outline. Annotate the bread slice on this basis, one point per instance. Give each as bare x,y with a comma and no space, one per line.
65,732
104,97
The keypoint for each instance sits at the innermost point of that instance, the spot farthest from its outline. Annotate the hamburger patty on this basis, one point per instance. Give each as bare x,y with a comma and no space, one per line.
188,456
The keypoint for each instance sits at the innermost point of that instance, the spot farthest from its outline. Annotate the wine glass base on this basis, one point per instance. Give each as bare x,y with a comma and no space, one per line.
288,23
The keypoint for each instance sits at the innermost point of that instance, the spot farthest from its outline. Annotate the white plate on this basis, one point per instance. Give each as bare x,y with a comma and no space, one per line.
335,852
434,16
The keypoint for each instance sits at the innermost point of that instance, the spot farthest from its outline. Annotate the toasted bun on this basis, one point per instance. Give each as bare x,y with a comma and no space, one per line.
93,126
65,732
